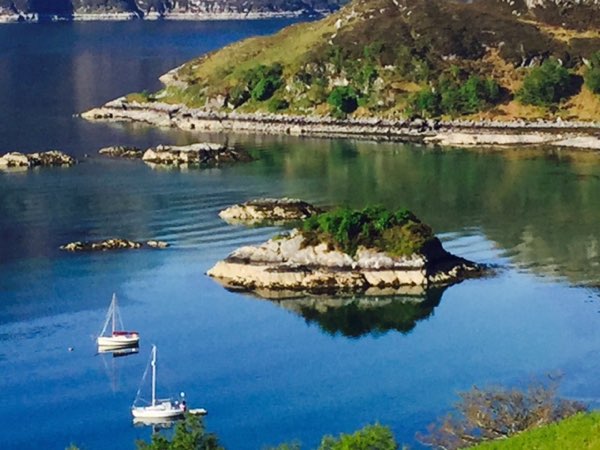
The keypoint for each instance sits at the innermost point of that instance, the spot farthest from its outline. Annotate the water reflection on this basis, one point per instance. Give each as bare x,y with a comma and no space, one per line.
366,315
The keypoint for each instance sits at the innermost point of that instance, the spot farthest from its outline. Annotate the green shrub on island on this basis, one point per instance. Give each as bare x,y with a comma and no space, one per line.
545,85
398,233
140,97
371,437
455,96
592,74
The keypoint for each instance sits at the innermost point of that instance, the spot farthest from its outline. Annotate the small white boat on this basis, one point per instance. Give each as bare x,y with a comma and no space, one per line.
117,338
158,408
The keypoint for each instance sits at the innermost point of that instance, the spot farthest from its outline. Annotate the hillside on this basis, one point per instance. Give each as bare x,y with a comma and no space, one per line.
580,432
391,58
32,10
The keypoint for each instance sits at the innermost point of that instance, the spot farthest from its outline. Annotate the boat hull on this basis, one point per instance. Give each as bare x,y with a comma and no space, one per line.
160,411
129,340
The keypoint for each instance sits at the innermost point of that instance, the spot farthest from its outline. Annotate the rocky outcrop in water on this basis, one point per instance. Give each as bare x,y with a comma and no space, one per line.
199,154
294,266
121,151
38,159
202,154
110,244
269,211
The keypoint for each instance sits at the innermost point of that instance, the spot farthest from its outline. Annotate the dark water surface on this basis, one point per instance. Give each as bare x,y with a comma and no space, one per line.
267,372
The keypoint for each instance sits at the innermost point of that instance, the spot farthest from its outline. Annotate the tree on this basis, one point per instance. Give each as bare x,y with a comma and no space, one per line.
545,85
189,435
496,413
371,437
344,99
592,74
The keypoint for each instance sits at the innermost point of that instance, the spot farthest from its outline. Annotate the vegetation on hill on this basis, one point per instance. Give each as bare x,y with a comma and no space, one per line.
398,233
397,58
581,432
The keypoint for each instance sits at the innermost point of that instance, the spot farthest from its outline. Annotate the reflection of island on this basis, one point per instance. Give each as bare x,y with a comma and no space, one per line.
359,316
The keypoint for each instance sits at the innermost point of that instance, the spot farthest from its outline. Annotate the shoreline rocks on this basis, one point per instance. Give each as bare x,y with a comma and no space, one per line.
274,211
199,154
51,158
111,244
295,267
559,133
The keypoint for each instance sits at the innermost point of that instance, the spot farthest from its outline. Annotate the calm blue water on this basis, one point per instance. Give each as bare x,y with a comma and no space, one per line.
267,372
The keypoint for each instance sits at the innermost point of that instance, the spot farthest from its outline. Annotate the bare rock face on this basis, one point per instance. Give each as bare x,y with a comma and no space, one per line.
269,211
289,264
42,159
110,244
121,151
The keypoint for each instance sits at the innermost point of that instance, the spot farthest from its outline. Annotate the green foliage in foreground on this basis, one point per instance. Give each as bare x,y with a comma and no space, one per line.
371,437
580,432
545,85
399,233
592,74
453,95
343,99
189,435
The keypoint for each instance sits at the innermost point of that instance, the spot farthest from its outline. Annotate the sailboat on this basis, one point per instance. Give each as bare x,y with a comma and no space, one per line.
158,408
117,338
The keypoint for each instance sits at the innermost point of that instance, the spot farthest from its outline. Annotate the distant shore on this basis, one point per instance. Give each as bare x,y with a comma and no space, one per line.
490,133
175,16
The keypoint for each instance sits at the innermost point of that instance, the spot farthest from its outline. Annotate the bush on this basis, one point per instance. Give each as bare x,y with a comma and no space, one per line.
545,85
496,413
399,233
455,97
189,435
258,83
592,74
344,99
371,437
277,104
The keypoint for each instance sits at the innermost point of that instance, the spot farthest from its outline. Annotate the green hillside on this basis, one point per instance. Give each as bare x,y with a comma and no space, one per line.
581,432
391,58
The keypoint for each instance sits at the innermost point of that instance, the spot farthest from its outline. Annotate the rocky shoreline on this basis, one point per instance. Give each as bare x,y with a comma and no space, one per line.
558,133
175,16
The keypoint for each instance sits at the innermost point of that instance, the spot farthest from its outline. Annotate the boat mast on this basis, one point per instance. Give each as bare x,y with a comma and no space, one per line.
153,375
114,309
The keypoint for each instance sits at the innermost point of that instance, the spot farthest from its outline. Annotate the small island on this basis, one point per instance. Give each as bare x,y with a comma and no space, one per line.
370,251
269,211
52,158
202,154
111,244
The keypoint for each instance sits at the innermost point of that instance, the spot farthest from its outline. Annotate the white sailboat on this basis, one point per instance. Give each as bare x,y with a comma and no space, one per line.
117,338
158,408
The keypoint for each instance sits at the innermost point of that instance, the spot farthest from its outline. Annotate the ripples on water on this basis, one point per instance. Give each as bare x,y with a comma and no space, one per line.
267,371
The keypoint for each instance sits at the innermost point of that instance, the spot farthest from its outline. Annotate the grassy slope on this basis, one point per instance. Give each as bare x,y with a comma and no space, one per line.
483,38
581,432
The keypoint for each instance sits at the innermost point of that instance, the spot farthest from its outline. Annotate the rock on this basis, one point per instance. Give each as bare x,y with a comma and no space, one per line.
157,244
110,244
203,154
292,265
121,151
269,211
44,159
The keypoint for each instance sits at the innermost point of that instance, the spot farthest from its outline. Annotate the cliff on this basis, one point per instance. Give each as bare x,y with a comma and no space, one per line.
35,10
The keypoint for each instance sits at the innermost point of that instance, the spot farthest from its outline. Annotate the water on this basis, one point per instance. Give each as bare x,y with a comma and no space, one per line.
267,372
